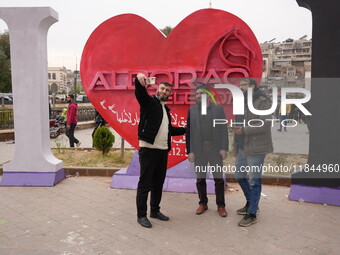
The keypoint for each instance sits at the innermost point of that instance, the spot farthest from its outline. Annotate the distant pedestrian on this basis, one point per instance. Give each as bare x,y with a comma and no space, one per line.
59,117
64,113
307,118
277,110
100,121
284,117
71,119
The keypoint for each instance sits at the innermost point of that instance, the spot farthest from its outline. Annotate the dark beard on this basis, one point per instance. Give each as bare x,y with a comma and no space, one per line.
161,98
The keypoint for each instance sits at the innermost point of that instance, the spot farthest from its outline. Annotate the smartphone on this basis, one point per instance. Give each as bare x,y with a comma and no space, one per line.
151,80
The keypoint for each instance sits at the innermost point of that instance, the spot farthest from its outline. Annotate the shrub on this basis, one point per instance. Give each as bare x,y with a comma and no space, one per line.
103,139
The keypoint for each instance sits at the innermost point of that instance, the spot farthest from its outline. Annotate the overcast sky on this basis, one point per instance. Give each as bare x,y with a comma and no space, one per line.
280,19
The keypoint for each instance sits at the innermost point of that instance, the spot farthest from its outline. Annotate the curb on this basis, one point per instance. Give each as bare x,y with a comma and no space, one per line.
275,180
8,134
267,179
90,171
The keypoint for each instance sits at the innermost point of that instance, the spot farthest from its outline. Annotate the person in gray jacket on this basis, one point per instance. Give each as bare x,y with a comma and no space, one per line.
207,147
252,144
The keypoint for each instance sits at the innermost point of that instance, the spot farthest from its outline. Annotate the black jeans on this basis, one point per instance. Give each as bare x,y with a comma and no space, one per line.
153,163
211,156
70,134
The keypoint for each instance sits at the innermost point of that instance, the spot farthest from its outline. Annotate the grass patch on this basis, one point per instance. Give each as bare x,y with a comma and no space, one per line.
93,158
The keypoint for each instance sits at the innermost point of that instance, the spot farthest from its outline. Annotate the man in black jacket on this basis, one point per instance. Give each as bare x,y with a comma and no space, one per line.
207,144
154,135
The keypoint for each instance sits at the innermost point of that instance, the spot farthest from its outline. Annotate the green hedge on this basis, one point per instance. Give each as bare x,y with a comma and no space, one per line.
6,119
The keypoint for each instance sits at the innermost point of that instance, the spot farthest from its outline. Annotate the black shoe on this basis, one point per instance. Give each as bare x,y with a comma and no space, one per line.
244,209
144,222
160,216
247,220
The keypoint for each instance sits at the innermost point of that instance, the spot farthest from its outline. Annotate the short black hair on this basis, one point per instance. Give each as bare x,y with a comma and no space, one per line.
166,84
250,80
71,96
202,86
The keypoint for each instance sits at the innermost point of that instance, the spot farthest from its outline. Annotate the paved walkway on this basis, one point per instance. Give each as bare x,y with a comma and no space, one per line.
82,215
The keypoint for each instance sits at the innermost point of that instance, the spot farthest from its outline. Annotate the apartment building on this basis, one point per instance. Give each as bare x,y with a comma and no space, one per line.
287,64
59,79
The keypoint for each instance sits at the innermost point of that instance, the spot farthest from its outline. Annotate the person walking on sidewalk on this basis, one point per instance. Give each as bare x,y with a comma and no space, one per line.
100,121
252,143
71,119
283,122
154,135
207,145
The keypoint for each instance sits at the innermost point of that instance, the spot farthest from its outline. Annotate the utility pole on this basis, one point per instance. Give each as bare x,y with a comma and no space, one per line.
122,148
75,79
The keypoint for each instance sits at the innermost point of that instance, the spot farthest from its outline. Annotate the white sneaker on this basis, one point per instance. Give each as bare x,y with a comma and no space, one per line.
78,144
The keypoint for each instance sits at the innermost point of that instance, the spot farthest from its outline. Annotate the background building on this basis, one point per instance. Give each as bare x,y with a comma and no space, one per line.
62,80
287,64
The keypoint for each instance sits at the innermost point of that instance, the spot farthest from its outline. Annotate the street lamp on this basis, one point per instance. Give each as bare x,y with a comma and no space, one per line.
75,79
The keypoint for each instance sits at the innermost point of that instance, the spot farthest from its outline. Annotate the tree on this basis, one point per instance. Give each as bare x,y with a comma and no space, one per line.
5,64
4,44
166,31
79,89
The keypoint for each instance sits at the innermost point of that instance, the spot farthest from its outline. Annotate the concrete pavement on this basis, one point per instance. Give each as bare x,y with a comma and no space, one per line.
82,215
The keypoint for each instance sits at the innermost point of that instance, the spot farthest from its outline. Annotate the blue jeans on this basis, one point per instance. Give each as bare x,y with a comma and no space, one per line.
250,165
283,118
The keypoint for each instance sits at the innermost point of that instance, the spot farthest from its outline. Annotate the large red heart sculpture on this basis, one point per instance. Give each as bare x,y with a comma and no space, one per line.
207,44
